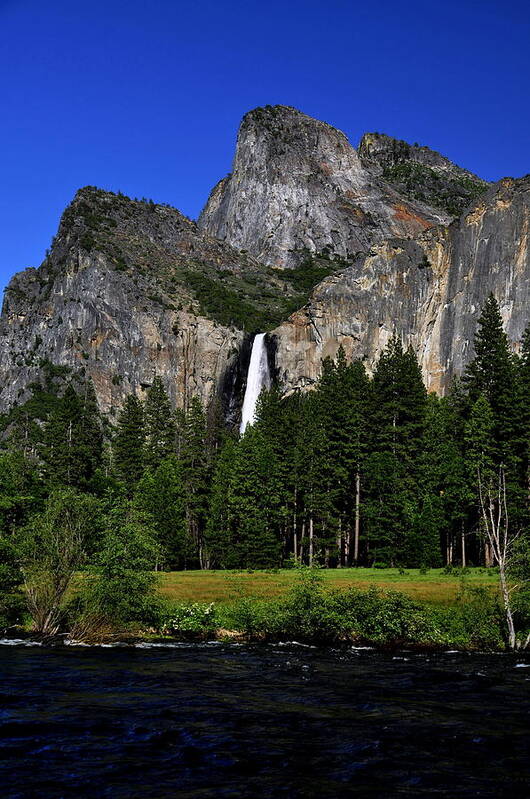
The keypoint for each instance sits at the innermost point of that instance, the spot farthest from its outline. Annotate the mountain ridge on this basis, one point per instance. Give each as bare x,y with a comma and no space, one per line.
132,289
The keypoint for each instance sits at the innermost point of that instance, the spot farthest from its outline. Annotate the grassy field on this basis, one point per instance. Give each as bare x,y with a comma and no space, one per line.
221,586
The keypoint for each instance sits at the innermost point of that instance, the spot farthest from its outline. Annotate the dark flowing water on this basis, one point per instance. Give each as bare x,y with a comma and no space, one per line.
216,720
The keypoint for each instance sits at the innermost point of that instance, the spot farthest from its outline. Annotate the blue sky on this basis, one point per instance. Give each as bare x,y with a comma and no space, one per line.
146,97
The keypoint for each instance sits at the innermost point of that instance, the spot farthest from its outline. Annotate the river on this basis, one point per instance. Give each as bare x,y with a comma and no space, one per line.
273,721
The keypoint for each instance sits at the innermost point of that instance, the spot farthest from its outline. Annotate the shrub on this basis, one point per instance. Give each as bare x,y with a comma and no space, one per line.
307,612
120,589
190,618
51,549
477,619
253,618
384,617
11,598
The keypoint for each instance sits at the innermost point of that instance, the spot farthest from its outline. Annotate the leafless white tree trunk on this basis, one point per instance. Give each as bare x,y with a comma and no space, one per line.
499,538
357,517
311,538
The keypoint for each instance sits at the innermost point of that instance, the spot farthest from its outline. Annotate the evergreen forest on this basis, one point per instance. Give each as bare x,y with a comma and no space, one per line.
370,471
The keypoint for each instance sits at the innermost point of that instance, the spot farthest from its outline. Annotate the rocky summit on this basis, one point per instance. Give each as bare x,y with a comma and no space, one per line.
308,239
298,185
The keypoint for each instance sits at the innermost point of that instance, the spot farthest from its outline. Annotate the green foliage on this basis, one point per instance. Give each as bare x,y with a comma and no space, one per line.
451,193
310,614
51,549
254,303
477,620
159,425
196,471
306,613
120,590
246,501
384,617
193,619
310,272
398,413
495,377
12,603
73,439
129,442
21,490
227,306
160,496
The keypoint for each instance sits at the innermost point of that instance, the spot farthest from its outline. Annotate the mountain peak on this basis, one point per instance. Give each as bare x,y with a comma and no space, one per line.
284,118
297,185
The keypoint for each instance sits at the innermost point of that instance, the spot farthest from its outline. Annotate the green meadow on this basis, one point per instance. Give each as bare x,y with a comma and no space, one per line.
434,586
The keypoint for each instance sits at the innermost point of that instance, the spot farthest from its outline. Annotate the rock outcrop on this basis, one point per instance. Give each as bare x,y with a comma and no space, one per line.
298,185
430,291
420,173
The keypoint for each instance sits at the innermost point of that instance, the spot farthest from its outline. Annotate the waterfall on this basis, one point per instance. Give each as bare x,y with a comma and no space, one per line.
258,377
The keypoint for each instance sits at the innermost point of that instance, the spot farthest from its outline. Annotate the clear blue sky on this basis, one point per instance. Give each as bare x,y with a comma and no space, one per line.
146,97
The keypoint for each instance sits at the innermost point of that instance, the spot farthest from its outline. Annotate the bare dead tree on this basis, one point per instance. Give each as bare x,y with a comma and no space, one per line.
500,538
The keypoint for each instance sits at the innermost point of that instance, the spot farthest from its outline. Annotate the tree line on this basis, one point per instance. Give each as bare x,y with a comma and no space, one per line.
370,471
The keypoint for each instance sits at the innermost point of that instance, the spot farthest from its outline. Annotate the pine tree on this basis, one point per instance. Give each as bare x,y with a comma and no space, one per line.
277,420
397,418
73,439
129,442
480,440
196,476
524,409
159,424
21,490
312,467
491,371
218,533
342,395
481,458
160,494
247,533
443,487
494,373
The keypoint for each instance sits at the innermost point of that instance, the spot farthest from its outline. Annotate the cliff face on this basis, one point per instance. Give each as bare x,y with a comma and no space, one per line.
115,299
430,291
297,184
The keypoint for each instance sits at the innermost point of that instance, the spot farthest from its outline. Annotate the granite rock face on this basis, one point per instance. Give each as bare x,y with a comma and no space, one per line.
111,301
298,185
430,291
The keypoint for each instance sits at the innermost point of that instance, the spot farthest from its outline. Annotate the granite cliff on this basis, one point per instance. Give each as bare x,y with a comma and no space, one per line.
130,290
298,185
429,290
420,173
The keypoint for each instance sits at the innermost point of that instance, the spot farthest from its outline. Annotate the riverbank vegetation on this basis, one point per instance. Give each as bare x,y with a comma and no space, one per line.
368,472
313,613
310,606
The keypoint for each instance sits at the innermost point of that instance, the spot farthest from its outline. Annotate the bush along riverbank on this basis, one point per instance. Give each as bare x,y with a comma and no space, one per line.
309,613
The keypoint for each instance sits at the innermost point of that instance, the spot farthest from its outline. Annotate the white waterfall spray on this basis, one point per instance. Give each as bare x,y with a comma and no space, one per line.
258,378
